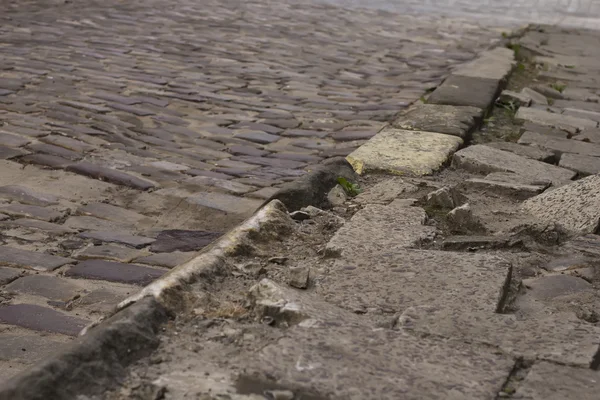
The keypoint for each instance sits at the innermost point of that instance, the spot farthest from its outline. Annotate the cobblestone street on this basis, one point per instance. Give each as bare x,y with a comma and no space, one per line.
132,134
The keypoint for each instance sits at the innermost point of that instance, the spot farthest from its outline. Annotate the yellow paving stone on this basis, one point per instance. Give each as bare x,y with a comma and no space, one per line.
404,152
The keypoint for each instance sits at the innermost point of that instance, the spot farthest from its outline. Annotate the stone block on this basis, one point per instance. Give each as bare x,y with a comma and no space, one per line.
576,206
495,64
466,91
560,121
166,260
560,146
451,120
517,99
401,152
517,190
535,153
14,257
50,287
549,381
118,237
115,272
26,195
536,97
40,318
584,165
182,240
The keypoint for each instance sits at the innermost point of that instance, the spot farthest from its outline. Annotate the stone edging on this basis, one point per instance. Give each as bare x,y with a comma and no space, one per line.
97,359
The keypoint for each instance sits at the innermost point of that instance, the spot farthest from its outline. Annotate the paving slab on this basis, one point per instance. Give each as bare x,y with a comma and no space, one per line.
485,159
560,121
166,260
466,91
404,152
50,287
182,240
40,318
523,150
120,237
115,272
584,165
560,145
574,206
548,381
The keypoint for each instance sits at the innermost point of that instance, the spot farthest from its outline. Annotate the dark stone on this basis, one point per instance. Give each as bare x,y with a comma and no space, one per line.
36,212
26,195
258,137
466,91
142,112
246,151
182,240
110,175
118,237
346,136
271,162
257,126
8,275
47,160
6,153
54,151
51,287
304,133
6,139
40,318
302,157
14,257
115,272
312,188
472,243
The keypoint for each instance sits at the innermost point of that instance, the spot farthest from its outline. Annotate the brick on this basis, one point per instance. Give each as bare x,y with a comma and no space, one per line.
40,318
118,237
36,212
182,240
115,272
26,195
50,287
110,175
13,257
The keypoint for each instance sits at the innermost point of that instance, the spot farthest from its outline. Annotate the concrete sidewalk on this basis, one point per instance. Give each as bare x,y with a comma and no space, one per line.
467,268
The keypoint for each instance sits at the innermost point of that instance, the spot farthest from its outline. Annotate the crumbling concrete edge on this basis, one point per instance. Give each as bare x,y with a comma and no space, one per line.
97,359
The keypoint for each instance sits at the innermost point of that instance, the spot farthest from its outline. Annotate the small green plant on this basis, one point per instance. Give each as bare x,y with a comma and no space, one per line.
510,108
504,35
550,101
559,87
521,67
423,99
351,189
515,47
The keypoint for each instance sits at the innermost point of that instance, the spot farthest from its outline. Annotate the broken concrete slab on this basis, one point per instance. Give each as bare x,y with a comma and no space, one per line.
557,337
377,228
576,206
393,279
485,159
549,381
451,120
522,150
583,165
560,146
560,121
315,360
404,152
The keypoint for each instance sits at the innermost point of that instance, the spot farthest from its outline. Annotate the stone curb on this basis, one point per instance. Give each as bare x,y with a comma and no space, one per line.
461,101
97,359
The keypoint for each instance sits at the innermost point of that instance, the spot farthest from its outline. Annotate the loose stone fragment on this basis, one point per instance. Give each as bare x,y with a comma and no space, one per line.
298,277
462,219
446,197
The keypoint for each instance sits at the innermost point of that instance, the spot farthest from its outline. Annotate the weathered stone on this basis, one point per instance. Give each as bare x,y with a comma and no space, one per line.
350,135
39,318
110,175
574,112
578,105
560,145
517,190
549,381
36,212
587,244
576,207
510,177
532,152
465,91
446,197
401,152
115,272
50,287
224,202
91,223
8,275
409,370
258,137
589,135
461,219
26,195
548,287
105,299
385,192
14,257
54,151
118,237
10,140
451,120
108,252
27,348
227,185
182,240
6,153
557,337
68,143
514,98
536,97
375,228
112,213
490,64
167,260
47,227
569,263
473,243
546,130
560,121
298,277
584,165
482,159
264,193
47,160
